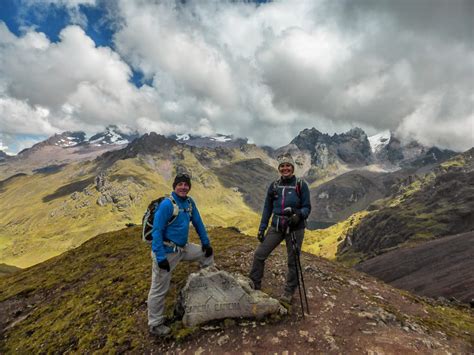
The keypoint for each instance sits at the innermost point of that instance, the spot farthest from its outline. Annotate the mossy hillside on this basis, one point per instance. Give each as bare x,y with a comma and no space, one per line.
451,320
29,223
324,242
439,204
36,228
6,269
93,298
459,161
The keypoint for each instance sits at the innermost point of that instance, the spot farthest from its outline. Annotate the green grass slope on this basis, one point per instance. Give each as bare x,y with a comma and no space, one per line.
92,299
44,215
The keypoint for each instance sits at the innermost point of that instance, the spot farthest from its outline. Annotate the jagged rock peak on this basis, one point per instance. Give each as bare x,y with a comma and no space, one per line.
310,133
308,138
151,142
148,144
357,132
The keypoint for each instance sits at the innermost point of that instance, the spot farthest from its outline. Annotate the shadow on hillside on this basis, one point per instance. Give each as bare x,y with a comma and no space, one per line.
68,189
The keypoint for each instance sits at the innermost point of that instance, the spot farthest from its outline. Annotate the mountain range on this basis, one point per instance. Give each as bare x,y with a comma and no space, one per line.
400,212
63,191
318,155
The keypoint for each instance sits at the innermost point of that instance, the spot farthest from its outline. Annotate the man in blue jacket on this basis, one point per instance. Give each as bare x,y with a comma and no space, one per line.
288,200
170,246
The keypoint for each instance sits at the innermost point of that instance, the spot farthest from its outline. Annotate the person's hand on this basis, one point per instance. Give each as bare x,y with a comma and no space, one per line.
207,250
294,220
288,211
261,236
164,264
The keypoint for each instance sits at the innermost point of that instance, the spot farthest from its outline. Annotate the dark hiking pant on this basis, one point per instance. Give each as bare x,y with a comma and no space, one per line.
271,241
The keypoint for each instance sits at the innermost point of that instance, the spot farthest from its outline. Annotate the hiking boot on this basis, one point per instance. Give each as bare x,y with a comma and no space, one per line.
286,297
254,286
159,330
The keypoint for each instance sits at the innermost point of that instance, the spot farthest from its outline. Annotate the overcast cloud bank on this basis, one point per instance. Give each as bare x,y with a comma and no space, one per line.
264,72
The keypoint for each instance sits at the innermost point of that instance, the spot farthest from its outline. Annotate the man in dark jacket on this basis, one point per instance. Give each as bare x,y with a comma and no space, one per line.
288,200
170,246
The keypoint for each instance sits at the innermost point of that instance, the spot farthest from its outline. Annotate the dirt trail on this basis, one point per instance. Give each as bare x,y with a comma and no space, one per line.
350,313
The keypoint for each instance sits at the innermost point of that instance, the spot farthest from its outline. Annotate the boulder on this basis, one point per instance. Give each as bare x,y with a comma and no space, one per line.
212,294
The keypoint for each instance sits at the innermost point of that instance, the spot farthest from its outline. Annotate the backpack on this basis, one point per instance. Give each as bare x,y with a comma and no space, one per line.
299,182
297,187
149,215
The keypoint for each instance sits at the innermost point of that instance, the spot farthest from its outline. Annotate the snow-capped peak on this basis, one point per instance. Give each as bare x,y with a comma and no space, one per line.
221,138
112,135
379,140
182,137
67,139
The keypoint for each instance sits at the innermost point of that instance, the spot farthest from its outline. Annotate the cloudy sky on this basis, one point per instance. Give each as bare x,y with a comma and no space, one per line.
262,70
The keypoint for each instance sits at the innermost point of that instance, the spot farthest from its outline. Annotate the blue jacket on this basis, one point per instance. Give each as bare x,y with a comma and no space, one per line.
178,231
285,195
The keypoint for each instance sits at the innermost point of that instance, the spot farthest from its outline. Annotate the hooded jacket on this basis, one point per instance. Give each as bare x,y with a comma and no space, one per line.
177,232
282,196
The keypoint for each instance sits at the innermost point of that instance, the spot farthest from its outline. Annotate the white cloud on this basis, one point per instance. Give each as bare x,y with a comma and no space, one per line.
262,71
3,148
154,40
17,117
429,125
72,6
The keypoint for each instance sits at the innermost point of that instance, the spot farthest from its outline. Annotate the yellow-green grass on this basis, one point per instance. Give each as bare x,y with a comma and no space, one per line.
93,297
34,230
407,191
457,161
324,242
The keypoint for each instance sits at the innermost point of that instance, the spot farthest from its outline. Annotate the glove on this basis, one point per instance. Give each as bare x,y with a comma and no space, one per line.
164,264
207,250
261,236
294,220
288,211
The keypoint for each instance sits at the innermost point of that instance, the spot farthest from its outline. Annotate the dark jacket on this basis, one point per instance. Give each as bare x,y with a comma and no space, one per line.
284,194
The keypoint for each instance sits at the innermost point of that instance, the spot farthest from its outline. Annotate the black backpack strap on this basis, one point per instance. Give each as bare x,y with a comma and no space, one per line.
299,183
190,209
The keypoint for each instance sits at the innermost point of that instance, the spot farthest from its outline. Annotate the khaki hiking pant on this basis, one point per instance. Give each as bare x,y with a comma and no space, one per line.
160,279
271,241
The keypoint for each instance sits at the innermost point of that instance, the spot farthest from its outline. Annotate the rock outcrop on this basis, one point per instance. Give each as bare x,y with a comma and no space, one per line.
211,294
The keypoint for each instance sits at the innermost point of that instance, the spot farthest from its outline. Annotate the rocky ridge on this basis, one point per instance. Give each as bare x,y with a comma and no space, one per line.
438,204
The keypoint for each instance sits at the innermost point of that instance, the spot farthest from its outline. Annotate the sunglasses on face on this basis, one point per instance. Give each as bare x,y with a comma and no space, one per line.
183,175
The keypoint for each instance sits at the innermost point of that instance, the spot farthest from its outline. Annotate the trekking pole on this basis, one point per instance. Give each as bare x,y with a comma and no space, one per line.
293,237
295,252
299,271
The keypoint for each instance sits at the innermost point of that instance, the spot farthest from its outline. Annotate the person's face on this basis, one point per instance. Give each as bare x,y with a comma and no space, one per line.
286,170
182,189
